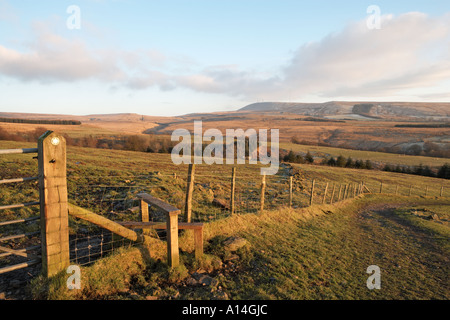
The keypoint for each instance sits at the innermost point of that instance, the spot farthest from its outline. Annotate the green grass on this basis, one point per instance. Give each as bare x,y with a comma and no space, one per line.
320,252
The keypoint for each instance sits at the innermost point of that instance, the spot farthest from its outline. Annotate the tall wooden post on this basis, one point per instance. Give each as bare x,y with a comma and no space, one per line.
340,192
381,187
325,194
312,193
263,192
345,192
396,190
173,254
189,191
233,185
332,193
442,191
53,203
144,215
290,190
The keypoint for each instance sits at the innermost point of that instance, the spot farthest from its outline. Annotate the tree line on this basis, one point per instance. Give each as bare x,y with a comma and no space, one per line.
60,122
342,162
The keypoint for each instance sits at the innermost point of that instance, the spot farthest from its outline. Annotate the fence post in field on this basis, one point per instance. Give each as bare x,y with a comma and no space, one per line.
396,190
263,192
340,192
381,187
345,192
410,188
173,254
312,193
325,194
442,191
53,203
189,191
355,190
143,206
290,190
233,186
332,193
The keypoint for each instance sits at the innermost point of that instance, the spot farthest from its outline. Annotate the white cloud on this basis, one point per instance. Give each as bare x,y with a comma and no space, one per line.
408,52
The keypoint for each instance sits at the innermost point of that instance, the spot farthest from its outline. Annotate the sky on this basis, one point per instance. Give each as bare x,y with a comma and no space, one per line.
175,57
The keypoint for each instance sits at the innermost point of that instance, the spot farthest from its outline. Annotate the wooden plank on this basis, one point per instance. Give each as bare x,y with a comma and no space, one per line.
20,266
53,199
103,222
21,250
19,253
158,203
18,180
18,236
5,223
160,225
18,151
20,205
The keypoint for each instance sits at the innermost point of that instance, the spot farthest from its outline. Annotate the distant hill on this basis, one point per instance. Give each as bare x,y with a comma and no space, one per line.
363,110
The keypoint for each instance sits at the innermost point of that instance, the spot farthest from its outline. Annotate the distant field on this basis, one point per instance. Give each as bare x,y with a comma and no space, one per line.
381,157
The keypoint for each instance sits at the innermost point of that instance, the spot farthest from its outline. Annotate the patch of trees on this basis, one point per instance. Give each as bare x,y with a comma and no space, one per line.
443,172
60,122
423,125
340,161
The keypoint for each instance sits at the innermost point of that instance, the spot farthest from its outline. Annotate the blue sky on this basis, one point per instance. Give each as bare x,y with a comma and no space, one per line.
177,57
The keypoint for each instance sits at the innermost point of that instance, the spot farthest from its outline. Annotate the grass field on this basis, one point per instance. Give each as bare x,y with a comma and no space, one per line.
316,253
320,252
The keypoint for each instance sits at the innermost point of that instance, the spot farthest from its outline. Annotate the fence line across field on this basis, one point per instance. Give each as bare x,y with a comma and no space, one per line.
107,213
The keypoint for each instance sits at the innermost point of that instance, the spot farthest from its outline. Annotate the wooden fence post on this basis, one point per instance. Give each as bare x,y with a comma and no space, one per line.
144,215
189,191
325,194
396,190
53,203
345,192
173,254
332,193
290,190
340,192
442,191
312,193
381,187
233,186
263,191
